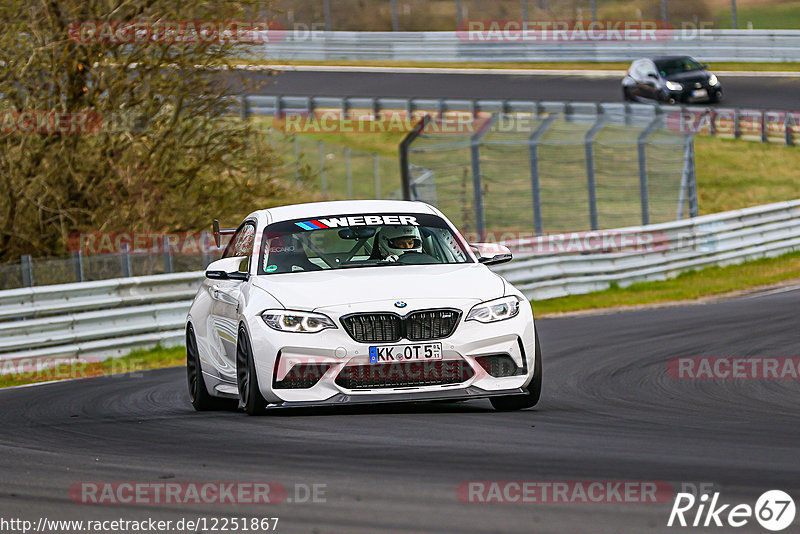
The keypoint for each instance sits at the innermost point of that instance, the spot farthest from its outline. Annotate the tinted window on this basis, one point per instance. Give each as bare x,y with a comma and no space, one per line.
352,241
668,67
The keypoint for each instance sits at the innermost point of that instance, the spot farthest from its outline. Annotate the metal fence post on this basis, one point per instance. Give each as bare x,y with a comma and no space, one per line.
322,177
376,174
788,124
376,109
694,210
345,106
245,108
167,253
688,189
764,136
533,148
278,107
26,266
348,169
591,186
125,260
297,159
77,265
410,108
477,182
405,145
643,187
737,127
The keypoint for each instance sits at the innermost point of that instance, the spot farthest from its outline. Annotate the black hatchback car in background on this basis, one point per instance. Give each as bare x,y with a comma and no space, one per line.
671,80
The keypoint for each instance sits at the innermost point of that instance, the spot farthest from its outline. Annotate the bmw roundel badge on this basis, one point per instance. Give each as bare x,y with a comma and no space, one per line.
400,304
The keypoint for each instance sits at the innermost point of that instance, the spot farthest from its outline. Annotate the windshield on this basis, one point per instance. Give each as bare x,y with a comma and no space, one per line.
668,67
352,241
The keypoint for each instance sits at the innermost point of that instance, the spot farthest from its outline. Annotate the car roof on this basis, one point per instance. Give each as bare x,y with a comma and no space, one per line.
340,207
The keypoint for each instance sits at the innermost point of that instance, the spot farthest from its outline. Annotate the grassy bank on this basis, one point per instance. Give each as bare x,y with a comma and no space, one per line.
139,360
689,286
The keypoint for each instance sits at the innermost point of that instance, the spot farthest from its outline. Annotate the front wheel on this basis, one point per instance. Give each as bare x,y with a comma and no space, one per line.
626,95
533,391
198,393
250,398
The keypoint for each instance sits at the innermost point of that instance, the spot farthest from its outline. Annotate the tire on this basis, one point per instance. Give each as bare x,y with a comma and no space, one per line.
718,96
250,398
626,95
202,401
665,98
530,399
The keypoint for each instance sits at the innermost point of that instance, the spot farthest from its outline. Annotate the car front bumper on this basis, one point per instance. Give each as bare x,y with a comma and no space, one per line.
333,351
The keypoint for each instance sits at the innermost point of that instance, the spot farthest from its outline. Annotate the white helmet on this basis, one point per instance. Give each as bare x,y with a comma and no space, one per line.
396,240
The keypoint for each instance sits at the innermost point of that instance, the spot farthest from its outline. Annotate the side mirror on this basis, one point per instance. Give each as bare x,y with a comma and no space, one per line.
228,269
491,253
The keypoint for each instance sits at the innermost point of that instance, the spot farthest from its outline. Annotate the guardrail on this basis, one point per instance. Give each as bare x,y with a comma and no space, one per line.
108,318
759,125
94,320
707,45
718,239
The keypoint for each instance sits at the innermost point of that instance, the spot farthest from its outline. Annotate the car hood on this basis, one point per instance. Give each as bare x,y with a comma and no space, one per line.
689,77
324,289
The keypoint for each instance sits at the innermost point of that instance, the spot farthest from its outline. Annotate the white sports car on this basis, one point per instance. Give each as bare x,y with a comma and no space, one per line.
358,302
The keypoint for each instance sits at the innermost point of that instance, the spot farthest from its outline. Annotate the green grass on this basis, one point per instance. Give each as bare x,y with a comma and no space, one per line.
688,286
138,360
735,174
784,15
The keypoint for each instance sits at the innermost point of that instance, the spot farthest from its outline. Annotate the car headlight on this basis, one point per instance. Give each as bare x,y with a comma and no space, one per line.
674,86
494,310
713,80
297,321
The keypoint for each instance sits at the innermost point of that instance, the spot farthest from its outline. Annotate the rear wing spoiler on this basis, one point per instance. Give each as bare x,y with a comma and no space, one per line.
220,231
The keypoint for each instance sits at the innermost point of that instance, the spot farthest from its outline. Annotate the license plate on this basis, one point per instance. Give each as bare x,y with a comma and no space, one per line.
699,93
405,353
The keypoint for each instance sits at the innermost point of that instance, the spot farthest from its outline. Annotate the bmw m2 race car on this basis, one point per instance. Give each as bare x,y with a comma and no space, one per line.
358,302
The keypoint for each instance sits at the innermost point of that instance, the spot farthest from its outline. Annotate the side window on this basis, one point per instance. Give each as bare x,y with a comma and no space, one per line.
241,243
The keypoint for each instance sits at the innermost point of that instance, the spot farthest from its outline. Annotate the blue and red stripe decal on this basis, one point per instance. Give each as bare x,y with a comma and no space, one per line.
311,225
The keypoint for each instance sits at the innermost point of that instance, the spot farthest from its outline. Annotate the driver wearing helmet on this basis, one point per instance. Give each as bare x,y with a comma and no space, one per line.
394,241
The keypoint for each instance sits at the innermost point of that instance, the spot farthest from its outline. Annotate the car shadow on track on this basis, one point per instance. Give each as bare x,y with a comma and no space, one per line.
406,408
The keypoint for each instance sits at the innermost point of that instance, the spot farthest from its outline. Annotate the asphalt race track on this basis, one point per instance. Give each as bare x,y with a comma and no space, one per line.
609,412
749,92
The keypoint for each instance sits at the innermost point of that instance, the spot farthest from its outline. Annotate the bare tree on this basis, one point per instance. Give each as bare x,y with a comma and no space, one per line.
149,144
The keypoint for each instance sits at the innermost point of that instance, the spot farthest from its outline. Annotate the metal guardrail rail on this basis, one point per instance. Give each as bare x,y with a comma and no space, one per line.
109,318
708,45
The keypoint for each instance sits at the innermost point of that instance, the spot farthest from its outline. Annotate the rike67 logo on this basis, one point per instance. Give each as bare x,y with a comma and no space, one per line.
774,510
